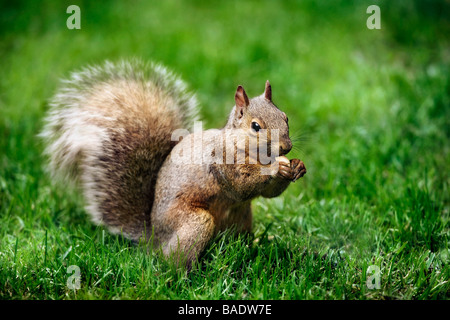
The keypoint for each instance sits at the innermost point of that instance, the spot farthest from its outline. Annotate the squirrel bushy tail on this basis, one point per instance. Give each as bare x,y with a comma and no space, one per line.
109,130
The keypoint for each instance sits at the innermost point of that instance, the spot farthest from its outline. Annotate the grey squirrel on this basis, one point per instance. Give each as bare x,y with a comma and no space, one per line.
110,130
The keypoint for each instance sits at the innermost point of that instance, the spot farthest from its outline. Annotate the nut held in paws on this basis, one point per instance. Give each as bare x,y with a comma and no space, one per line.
283,159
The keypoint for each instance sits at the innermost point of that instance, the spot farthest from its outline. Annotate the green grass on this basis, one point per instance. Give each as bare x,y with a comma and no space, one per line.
369,112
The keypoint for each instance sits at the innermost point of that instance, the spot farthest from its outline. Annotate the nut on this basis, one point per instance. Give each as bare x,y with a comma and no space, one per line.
283,159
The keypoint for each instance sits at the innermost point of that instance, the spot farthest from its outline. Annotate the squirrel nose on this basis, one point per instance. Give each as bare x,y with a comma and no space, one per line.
285,147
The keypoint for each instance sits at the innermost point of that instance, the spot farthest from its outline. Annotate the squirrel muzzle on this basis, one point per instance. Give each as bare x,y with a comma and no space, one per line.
285,147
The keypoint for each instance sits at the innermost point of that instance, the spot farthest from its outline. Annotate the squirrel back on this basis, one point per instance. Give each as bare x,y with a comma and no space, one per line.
109,131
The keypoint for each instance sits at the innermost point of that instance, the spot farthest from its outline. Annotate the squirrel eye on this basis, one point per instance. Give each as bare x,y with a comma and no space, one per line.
256,126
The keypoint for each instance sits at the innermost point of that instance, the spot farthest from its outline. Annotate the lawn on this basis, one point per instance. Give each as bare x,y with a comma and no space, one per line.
369,113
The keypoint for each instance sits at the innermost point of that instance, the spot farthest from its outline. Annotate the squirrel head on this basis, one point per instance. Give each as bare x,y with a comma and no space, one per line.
261,114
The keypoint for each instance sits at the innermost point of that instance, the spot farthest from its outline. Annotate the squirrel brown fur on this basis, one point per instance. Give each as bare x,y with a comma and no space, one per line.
110,129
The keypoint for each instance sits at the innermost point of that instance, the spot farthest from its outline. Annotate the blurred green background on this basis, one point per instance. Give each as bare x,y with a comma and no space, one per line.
369,114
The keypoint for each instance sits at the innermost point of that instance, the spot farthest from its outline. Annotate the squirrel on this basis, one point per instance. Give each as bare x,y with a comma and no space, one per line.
110,131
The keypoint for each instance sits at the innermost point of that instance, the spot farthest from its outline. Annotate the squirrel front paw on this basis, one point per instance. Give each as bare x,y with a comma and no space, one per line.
291,170
298,169
284,168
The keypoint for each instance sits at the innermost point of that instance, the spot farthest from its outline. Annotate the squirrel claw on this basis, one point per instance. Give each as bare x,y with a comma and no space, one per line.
298,168
285,171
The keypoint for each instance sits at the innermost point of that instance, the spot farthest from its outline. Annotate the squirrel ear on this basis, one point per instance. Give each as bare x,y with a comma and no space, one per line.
268,91
241,101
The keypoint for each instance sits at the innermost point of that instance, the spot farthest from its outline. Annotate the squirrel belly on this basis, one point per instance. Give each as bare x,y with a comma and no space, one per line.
112,130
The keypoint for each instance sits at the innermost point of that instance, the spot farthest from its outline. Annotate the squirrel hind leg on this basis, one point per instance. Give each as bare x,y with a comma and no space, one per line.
186,243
